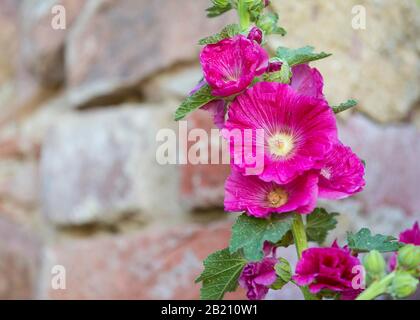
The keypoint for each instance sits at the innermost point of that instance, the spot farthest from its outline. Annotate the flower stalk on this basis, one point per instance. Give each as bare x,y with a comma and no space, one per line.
301,243
377,288
244,16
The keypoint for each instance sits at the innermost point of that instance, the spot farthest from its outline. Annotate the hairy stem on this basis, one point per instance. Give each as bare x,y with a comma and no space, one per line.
301,243
377,288
244,17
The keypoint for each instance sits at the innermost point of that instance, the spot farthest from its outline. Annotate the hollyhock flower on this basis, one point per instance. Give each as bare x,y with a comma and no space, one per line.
342,173
409,236
259,198
256,277
298,130
216,107
327,269
256,35
230,65
305,80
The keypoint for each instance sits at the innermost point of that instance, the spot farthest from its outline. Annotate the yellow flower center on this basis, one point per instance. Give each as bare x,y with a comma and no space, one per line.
277,198
281,144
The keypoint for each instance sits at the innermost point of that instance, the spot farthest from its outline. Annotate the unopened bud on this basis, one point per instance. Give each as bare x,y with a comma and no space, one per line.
274,66
409,256
256,35
268,22
403,285
374,264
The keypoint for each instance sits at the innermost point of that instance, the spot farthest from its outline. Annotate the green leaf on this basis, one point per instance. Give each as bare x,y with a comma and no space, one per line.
194,101
345,106
283,75
286,241
249,234
216,11
319,223
268,23
364,241
299,56
284,273
229,31
221,272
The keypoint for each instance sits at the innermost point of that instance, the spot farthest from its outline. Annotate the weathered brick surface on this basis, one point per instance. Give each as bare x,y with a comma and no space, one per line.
391,154
160,263
19,262
104,55
102,164
202,185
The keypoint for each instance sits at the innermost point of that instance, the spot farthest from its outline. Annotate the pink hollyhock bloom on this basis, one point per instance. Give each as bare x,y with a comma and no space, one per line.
305,80
409,236
327,269
216,107
298,130
342,173
259,198
256,35
231,65
256,277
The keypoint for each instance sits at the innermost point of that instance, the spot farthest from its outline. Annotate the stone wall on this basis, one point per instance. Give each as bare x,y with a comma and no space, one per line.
80,108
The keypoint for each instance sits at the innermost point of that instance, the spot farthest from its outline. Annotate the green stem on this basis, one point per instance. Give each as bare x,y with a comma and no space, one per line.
301,243
244,17
377,288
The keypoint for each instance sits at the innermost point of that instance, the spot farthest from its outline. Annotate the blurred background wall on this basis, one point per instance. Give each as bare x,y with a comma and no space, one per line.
80,108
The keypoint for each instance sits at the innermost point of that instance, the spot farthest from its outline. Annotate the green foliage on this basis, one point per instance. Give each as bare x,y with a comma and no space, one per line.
268,23
194,101
221,272
345,106
228,32
219,7
249,234
287,240
299,56
284,273
319,223
364,241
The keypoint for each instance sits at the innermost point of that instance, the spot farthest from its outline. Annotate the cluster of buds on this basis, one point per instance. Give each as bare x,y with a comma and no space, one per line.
401,282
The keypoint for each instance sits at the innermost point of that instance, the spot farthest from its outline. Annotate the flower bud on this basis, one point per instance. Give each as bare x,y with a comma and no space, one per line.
256,35
374,264
403,285
266,3
409,256
268,22
274,66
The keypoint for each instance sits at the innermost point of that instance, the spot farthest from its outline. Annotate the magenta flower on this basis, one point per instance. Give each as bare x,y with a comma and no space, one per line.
409,236
256,278
298,130
259,198
230,65
327,269
305,80
216,107
342,174
256,35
